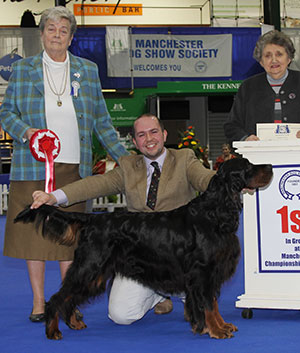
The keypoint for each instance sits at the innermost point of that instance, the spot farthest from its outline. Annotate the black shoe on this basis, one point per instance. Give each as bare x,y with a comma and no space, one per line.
37,317
79,315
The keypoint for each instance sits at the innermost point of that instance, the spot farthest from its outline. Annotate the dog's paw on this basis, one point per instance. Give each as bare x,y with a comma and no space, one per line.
219,333
75,324
52,330
230,327
53,334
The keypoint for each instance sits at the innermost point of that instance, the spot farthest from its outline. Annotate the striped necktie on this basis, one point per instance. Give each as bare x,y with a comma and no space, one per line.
152,193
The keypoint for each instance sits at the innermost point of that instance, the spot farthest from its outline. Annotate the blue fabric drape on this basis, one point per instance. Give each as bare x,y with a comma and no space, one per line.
90,43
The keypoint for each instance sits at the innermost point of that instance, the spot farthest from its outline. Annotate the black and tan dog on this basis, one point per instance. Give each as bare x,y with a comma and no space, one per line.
192,249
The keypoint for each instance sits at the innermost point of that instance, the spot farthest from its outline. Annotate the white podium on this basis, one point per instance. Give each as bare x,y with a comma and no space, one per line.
272,229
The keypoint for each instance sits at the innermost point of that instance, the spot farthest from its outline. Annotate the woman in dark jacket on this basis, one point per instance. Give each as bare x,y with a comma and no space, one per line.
269,97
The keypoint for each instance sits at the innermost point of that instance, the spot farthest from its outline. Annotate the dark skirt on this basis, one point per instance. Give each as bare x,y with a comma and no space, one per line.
22,240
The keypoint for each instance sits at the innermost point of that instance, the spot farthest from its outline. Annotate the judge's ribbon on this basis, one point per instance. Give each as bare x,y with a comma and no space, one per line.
45,147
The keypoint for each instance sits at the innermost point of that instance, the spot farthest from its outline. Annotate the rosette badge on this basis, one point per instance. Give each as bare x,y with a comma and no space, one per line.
45,147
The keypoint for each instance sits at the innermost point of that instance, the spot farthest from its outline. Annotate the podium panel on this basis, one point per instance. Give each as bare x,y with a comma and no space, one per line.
272,228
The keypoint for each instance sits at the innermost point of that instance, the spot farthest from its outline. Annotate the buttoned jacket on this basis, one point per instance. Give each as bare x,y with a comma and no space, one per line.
254,103
24,107
181,176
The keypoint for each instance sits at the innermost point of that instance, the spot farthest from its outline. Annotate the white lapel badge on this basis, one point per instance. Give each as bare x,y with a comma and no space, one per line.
75,88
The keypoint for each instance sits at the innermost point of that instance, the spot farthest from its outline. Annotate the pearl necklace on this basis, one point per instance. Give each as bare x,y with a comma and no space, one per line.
53,86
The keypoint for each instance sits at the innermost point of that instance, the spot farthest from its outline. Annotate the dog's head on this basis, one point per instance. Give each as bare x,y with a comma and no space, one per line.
240,174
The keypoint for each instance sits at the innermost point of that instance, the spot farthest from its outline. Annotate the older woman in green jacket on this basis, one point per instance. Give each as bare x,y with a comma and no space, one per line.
60,92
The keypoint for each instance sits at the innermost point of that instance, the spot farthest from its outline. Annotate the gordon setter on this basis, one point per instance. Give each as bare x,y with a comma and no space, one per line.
192,249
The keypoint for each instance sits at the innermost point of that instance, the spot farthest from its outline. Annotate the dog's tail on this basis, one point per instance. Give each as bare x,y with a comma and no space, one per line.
58,226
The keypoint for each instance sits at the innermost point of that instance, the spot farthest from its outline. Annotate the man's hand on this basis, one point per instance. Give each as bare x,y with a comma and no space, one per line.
248,191
252,138
41,198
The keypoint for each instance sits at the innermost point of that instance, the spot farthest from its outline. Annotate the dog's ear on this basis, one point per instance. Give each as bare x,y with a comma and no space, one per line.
233,173
215,184
237,180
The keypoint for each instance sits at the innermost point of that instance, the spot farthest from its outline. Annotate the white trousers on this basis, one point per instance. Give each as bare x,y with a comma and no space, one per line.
130,301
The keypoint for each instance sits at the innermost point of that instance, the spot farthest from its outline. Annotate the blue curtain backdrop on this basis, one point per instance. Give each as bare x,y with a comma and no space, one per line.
90,43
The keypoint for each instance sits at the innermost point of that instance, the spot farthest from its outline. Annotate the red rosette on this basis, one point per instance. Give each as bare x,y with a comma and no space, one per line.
45,147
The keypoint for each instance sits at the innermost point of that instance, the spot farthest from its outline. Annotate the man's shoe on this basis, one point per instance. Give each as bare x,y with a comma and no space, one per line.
164,307
37,317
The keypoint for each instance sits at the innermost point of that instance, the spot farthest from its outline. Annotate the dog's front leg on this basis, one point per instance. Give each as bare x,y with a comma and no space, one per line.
225,325
215,326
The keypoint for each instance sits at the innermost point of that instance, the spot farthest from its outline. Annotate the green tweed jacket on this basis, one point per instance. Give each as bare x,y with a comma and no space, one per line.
24,107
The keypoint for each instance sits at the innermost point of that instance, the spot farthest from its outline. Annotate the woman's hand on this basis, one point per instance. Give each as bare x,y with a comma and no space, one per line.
41,198
29,132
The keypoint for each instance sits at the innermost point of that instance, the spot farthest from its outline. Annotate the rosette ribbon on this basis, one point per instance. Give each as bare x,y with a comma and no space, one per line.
45,147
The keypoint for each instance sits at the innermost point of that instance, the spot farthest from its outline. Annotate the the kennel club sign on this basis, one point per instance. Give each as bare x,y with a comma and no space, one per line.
279,221
168,55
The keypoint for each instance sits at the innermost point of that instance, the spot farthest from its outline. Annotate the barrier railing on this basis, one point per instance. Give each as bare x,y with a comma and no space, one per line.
4,191
104,203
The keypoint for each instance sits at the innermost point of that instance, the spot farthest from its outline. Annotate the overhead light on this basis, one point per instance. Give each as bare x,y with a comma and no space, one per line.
118,92
109,90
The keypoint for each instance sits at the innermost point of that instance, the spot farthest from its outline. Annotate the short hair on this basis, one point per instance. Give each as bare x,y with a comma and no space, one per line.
56,13
148,115
277,38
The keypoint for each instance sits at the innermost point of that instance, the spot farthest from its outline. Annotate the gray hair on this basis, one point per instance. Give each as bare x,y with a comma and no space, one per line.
57,13
277,38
